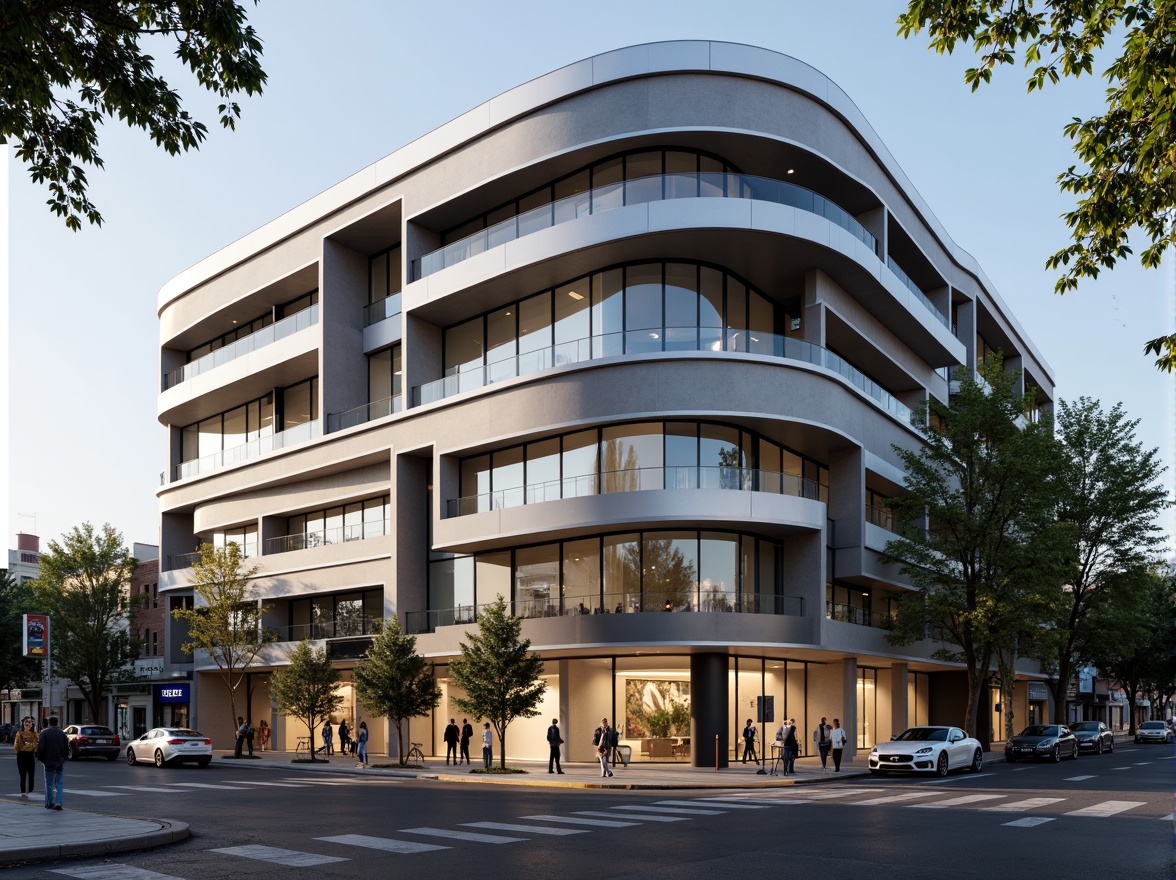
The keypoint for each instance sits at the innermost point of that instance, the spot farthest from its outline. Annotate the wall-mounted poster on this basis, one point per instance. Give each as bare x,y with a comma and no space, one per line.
655,708
35,635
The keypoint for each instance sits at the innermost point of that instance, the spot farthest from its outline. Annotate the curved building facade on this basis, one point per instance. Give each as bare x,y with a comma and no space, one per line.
630,345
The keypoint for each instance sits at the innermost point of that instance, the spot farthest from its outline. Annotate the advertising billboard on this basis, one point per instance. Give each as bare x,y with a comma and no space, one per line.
35,635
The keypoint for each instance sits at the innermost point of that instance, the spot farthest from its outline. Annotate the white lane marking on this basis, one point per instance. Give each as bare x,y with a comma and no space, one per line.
1120,768
450,834
636,817
1169,818
1078,778
387,844
532,829
956,779
1142,763
88,792
1024,806
896,798
958,801
686,811
572,820
316,781
151,788
111,872
711,801
829,795
288,857
275,784
209,785
1107,808
1028,822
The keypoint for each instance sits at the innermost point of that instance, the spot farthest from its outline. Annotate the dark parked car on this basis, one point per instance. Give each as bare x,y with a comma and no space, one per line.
92,741
1153,732
1093,736
1051,742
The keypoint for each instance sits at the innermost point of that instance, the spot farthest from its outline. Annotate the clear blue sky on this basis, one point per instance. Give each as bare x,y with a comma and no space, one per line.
350,82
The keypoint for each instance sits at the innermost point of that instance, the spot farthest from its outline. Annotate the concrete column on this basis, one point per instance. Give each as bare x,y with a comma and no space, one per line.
565,706
708,709
849,719
899,710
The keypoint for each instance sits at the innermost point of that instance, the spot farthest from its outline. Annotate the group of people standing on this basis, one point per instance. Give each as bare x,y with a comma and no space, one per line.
455,736
828,740
348,745
51,748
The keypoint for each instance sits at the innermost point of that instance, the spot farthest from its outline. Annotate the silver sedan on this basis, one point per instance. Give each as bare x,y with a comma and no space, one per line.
167,746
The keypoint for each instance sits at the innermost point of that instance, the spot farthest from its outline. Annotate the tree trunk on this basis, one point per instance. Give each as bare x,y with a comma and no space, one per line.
1060,687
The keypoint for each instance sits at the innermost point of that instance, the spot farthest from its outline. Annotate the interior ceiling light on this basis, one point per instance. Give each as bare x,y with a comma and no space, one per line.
789,171
654,336
574,295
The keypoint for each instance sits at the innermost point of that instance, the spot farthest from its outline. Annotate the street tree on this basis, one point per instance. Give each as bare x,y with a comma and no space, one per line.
82,584
308,688
1109,492
978,540
1123,179
16,670
500,677
67,67
1138,654
395,681
227,622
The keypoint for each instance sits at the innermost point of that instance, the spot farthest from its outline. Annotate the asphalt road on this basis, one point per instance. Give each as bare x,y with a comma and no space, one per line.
1102,817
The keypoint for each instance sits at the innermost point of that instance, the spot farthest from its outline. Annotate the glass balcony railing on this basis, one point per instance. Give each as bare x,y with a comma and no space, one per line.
661,339
638,480
387,307
914,288
859,616
882,517
655,188
366,413
335,629
697,598
263,337
321,537
245,451
181,561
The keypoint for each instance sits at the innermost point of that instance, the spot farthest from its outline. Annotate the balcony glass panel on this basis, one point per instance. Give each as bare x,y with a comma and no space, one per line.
253,449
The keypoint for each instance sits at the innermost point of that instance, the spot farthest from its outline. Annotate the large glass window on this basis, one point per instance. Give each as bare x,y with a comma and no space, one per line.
385,373
349,522
631,457
229,429
581,573
299,404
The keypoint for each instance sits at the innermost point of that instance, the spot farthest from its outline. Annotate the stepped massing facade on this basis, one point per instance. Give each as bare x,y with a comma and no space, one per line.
631,346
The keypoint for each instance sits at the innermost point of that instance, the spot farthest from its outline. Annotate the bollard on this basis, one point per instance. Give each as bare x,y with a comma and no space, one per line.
716,753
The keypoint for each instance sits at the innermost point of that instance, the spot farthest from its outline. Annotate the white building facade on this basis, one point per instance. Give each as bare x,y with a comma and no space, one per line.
631,346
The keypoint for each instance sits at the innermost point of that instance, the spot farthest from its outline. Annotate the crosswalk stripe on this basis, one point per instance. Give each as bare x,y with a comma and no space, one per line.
209,785
1077,778
572,820
93,792
1028,822
637,817
288,857
642,808
1023,806
316,781
154,788
532,829
1169,818
387,844
1107,808
111,872
730,805
275,784
462,835
970,776
896,798
830,795
957,801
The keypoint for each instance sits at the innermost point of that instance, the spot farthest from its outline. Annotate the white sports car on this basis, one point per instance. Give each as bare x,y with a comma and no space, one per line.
928,749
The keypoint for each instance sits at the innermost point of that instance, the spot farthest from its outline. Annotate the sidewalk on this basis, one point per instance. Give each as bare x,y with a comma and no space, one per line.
30,833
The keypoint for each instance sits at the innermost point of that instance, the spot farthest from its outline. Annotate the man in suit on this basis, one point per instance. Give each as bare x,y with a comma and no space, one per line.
451,736
823,741
467,733
749,741
554,741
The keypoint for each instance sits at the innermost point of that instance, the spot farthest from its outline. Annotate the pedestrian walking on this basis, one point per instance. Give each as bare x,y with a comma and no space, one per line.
361,744
791,748
25,746
52,750
749,741
602,738
467,733
823,743
263,731
344,738
838,738
487,745
328,739
554,741
451,736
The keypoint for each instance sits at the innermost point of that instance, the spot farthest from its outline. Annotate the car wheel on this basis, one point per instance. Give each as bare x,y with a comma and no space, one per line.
941,765
203,762
1098,748
1056,755
977,762
1074,756
1111,747
73,752
130,756
159,762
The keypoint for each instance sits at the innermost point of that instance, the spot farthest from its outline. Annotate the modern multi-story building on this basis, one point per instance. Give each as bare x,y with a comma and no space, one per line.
636,337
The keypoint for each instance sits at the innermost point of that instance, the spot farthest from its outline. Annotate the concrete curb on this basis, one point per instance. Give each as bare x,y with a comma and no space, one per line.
168,833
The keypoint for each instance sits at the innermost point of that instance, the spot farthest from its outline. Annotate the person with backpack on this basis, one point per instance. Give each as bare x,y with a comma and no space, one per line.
602,738
839,740
361,739
554,741
791,748
749,741
823,741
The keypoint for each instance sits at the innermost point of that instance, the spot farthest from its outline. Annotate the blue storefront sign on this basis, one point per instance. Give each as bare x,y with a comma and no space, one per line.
174,693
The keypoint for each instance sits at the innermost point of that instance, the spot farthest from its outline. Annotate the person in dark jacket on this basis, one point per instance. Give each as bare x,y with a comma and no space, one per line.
52,750
467,733
451,736
554,741
791,747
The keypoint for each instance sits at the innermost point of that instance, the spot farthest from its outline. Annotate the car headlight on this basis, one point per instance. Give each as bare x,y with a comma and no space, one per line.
925,750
